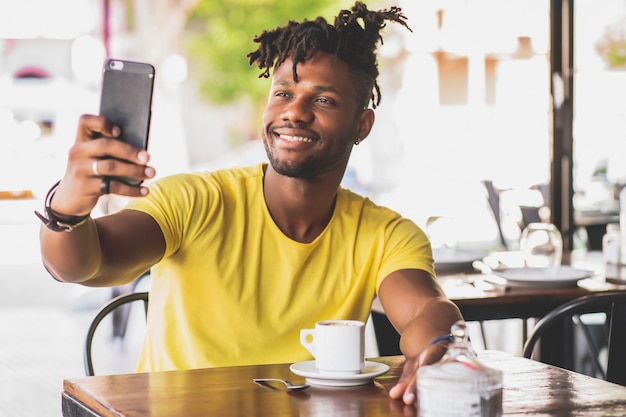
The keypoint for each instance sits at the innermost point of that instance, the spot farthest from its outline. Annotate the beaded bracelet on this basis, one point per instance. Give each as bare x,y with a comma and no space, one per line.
55,221
445,337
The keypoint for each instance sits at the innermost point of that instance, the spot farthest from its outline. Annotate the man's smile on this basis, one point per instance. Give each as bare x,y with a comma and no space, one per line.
290,138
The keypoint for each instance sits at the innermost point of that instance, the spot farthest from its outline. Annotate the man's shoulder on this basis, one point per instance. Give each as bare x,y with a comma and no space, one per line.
352,201
355,207
222,175
237,173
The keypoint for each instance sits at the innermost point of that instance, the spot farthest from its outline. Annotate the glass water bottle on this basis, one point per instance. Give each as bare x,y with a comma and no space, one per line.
459,385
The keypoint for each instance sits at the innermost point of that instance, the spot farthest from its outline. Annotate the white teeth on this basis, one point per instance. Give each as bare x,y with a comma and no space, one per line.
295,138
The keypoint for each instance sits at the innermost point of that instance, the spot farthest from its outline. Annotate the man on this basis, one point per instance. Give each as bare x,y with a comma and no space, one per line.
242,259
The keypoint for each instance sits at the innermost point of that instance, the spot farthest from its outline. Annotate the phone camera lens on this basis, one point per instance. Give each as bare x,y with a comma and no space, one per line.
116,65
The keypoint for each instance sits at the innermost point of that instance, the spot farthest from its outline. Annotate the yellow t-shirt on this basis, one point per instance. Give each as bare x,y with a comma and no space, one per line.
232,289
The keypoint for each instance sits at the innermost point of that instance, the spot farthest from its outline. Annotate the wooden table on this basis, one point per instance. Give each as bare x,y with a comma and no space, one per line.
530,388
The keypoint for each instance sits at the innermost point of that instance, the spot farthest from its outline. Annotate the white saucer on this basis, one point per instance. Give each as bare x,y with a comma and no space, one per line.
308,370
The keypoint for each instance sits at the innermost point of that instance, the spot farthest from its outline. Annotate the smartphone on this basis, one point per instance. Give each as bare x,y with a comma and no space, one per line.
126,100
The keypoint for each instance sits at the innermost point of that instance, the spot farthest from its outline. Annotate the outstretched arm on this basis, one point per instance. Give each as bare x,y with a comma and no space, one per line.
418,308
112,249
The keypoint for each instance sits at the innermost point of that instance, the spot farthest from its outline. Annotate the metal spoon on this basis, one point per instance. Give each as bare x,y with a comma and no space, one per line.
280,384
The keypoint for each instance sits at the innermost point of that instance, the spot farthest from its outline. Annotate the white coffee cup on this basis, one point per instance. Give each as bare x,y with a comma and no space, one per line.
337,345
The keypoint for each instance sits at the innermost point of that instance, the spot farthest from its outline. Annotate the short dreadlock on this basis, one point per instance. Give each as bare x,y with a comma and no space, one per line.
353,39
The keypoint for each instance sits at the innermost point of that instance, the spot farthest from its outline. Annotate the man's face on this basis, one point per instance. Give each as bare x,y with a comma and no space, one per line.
309,126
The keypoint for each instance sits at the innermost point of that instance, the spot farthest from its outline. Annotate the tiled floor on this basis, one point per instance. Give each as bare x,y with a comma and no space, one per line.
42,327
40,346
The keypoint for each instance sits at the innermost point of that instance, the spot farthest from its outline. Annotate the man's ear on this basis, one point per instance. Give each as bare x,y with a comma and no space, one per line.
366,121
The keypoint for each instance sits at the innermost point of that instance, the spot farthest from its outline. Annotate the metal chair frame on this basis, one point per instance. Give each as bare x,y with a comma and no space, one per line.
111,307
613,304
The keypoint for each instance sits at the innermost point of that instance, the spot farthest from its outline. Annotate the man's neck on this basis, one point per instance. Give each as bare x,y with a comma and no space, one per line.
300,208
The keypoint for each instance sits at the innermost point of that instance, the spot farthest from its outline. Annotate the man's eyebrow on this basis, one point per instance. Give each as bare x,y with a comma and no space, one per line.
284,83
319,88
324,89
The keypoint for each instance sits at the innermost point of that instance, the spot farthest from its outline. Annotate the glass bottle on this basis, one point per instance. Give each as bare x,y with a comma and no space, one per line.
459,385
611,244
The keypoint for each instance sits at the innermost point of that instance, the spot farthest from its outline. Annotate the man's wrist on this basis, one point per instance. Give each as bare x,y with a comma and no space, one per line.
446,338
58,222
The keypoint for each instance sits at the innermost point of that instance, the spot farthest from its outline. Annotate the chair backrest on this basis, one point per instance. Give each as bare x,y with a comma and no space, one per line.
494,203
613,305
120,307
529,205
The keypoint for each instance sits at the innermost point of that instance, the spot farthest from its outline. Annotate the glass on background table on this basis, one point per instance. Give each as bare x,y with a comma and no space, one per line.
542,245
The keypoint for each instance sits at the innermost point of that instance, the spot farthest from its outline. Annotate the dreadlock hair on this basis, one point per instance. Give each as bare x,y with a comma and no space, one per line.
353,39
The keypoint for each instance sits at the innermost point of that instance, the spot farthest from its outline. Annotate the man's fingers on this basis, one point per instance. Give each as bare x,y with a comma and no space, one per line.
106,148
406,386
94,127
110,167
108,185
407,377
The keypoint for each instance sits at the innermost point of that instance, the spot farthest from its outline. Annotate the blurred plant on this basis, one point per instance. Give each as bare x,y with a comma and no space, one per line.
219,34
612,45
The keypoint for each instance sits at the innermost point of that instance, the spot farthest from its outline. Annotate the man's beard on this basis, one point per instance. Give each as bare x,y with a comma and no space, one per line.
306,169
312,166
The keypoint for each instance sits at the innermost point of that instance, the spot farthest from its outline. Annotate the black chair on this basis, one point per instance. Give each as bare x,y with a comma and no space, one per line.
493,197
120,304
529,214
610,339
120,315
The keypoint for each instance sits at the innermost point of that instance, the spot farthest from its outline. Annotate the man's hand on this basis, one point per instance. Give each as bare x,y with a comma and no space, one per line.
406,386
95,156
418,308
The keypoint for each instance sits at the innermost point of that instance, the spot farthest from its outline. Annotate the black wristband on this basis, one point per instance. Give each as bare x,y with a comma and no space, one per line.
55,221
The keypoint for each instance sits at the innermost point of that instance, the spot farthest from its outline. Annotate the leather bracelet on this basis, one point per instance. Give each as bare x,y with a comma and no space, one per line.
55,221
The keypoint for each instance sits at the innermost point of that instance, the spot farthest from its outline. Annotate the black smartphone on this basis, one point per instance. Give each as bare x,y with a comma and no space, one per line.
126,100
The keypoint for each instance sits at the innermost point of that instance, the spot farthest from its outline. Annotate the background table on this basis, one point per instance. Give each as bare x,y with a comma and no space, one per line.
530,388
492,304
480,302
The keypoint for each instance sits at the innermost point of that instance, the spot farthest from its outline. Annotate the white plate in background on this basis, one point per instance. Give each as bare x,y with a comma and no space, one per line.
562,276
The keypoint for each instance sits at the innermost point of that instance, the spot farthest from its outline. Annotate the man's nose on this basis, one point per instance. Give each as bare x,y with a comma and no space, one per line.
298,110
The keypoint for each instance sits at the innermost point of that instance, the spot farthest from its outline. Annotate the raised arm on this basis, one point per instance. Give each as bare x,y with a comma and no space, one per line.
113,249
418,308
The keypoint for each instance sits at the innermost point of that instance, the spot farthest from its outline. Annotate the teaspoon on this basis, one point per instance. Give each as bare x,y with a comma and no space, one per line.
282,384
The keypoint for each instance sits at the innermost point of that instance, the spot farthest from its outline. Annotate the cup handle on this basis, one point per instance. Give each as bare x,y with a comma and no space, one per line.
304,334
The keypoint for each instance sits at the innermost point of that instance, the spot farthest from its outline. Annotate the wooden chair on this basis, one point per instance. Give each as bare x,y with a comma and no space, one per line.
117,309
612,338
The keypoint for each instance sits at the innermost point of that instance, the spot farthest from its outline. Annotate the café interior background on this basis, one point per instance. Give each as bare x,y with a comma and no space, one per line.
466,98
